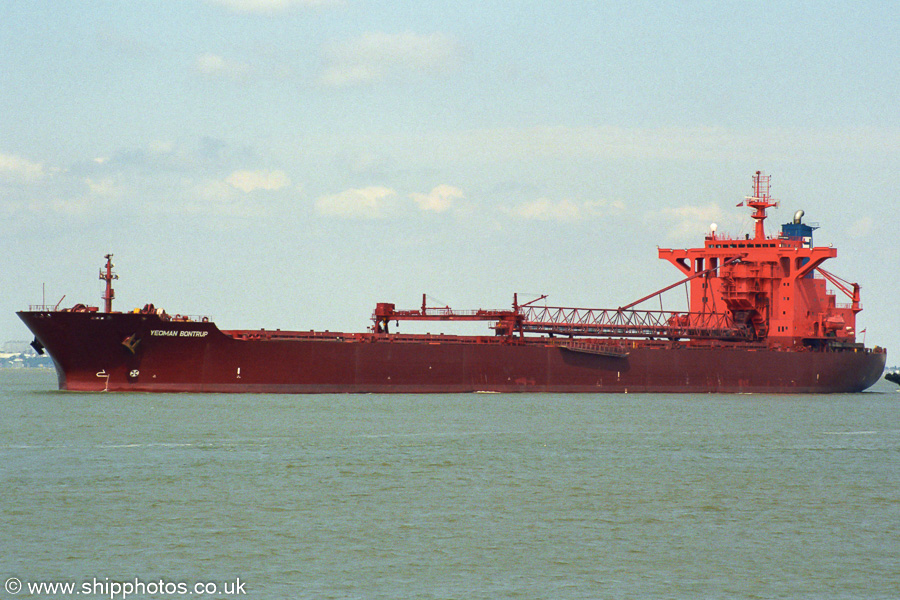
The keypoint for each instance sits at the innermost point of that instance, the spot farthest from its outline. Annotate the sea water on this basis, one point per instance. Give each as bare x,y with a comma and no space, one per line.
447,496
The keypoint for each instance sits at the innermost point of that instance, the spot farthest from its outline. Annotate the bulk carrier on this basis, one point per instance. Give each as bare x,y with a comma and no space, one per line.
760,319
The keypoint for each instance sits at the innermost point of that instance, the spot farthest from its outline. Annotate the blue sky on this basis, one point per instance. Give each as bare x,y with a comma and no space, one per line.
279,163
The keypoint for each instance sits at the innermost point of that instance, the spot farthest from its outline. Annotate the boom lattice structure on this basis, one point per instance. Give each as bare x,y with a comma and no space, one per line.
567,321
604,322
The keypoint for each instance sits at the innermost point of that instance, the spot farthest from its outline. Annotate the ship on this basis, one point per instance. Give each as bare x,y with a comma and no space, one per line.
760,319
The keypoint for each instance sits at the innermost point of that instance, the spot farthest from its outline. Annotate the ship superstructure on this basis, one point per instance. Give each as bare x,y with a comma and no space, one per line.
760,319
767,284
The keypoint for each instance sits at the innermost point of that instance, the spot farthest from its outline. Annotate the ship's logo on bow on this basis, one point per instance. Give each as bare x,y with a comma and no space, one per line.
131,342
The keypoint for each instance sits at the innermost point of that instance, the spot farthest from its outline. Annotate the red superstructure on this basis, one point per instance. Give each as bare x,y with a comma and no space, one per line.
760,319
767,283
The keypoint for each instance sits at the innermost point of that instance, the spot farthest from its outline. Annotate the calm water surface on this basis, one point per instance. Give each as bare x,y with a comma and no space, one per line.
452,496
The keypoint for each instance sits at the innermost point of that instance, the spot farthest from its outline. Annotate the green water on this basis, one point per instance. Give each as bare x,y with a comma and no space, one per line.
451,496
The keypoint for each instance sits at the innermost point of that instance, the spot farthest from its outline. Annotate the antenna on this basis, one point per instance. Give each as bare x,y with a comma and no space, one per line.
760,200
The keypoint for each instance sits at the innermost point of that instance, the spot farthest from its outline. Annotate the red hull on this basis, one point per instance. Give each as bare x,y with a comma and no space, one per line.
91,354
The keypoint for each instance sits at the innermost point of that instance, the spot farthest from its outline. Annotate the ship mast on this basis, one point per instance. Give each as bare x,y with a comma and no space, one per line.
760,200
108,277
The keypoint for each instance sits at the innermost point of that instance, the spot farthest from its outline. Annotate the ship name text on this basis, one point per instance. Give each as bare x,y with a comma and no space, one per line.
177,333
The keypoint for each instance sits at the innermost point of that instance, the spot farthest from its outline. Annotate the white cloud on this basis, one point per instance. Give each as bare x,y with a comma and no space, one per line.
691,221
364,203
103,187
272,6
373,57
214,65
544,209
249,181
672,143
440,199
81,198
161,147
862,227
75,207
600,208
220,199
18,168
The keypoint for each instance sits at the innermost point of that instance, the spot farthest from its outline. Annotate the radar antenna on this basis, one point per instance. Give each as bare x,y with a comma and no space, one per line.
760,200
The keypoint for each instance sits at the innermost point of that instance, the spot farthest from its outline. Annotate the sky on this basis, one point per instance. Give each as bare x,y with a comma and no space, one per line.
290,163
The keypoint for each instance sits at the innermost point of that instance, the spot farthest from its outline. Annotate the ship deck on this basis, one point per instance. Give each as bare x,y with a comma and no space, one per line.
573,343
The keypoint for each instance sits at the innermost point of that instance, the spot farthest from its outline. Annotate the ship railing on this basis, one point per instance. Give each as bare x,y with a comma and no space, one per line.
164,315
443,313
81,308
449,312
41,308
189,318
